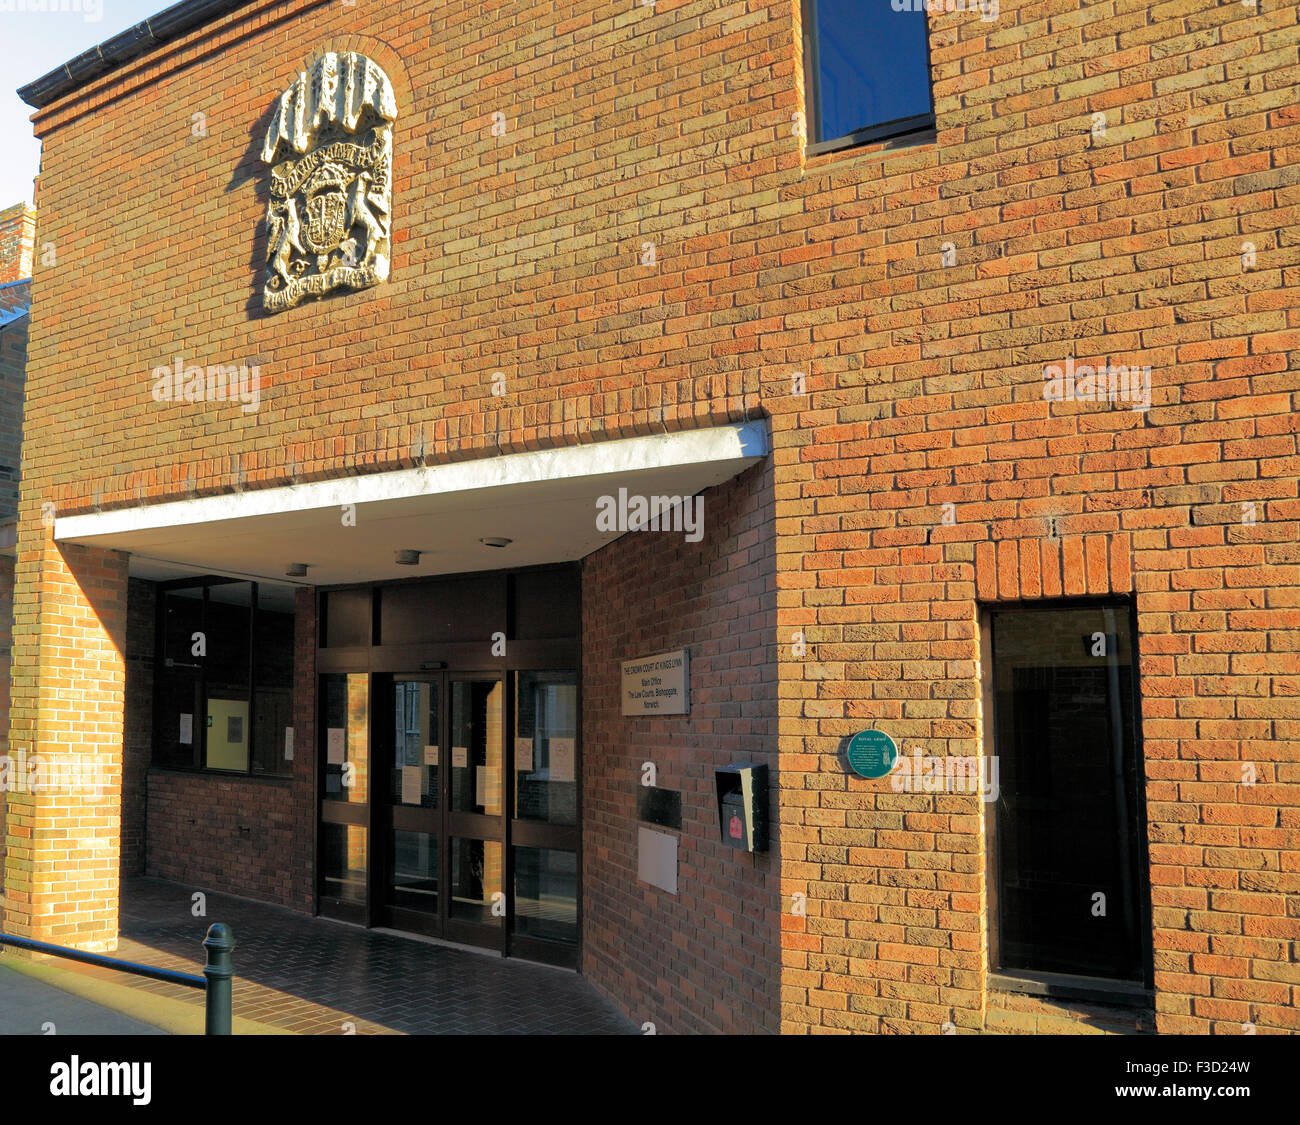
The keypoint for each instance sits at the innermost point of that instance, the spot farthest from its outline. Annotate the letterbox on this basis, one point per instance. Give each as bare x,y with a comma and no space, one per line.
742,806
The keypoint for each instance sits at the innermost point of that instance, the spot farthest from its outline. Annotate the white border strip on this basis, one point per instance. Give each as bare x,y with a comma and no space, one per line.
745,441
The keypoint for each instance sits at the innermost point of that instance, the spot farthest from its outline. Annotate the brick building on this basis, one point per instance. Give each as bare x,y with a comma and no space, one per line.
969,335
17,233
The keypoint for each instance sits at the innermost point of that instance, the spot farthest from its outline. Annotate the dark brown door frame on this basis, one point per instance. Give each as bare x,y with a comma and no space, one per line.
391,662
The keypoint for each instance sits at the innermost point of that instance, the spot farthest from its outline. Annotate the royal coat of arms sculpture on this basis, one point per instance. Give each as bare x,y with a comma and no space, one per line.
330,148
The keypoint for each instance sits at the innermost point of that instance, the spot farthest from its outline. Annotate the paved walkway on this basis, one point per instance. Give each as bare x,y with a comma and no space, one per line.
32,1007
316,976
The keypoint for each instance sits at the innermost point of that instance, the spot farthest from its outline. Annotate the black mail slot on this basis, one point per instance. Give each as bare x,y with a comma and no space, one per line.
742,806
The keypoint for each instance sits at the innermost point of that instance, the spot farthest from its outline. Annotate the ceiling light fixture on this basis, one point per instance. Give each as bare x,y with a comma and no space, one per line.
496,541
296,570
406,557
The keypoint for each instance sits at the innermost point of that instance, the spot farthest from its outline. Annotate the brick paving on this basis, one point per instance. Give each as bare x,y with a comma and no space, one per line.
316,976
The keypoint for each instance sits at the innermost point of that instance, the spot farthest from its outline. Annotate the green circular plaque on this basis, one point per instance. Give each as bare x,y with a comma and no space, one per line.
872,753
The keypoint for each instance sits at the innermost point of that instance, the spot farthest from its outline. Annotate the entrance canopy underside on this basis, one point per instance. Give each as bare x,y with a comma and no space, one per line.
546,503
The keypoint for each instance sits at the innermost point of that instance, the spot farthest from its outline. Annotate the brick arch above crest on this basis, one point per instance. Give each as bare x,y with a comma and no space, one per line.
393,65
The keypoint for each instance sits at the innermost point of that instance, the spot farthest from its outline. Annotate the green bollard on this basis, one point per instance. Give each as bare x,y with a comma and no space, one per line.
220,972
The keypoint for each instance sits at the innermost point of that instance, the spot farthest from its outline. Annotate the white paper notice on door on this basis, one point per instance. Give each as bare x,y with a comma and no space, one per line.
459,757
561,759
480,786
430,755
523,753
412,777
335,741
288,744
187,730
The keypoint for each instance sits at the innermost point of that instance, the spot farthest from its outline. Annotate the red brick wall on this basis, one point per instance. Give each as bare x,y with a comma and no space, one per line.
708,958
926,389
68,683
17,225
17,238
672,125
224,834
6,641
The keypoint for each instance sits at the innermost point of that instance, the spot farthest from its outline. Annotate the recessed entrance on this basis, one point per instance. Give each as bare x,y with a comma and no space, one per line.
449,797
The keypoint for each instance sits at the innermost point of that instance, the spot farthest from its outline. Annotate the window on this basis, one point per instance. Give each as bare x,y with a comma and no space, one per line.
1069,836
866,72
223,677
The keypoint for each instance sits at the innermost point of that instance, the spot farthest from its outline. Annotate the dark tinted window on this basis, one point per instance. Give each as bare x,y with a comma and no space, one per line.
223,678
1069,815
867,70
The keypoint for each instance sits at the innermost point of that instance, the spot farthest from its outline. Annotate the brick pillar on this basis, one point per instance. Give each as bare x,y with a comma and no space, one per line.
63,843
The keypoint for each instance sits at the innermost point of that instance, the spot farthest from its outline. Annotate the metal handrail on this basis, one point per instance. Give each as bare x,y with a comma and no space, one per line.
218,972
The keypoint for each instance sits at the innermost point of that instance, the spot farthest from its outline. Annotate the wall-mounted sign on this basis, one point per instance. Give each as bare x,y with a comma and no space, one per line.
872,753
657,685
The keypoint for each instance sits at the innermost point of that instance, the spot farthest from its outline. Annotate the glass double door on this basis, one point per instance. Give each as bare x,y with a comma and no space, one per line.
439,815
450,806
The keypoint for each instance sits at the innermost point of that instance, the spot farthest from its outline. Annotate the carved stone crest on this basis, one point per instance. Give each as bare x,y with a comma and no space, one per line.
330,148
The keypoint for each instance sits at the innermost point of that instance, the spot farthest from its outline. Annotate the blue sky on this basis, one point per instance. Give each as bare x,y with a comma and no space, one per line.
35,37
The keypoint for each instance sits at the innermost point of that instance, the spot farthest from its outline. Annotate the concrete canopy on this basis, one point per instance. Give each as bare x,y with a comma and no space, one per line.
545,502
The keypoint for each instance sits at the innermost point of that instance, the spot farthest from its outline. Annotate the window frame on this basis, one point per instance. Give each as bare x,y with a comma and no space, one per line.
199,756
1055,985
884,130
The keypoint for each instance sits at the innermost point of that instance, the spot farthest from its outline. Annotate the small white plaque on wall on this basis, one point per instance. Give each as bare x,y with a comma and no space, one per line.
656,859
657,685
